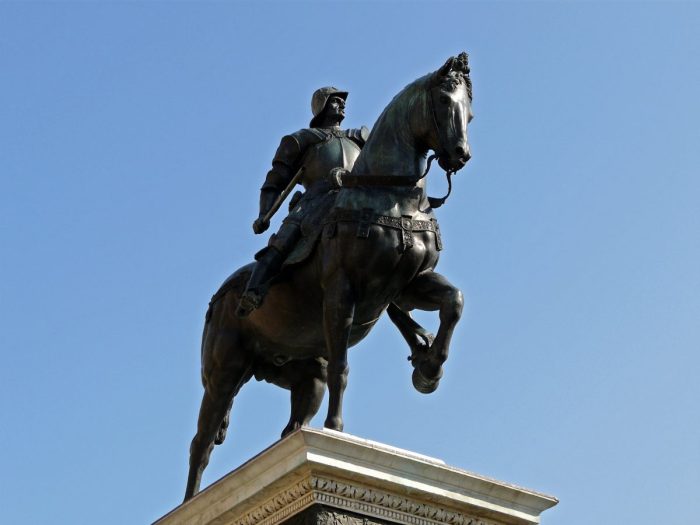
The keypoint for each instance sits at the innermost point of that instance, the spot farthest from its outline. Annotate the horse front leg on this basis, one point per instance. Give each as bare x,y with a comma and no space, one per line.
338,315
418,338
431,291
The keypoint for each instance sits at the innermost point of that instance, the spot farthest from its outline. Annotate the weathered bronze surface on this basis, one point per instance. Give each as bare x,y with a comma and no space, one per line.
361,239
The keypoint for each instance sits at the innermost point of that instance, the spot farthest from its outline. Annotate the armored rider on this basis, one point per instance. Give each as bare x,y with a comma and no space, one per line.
306,157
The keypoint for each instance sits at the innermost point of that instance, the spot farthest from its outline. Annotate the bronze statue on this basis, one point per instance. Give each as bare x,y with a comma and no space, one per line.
372,247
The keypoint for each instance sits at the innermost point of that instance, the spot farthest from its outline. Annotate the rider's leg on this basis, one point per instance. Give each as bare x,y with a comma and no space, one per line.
269,262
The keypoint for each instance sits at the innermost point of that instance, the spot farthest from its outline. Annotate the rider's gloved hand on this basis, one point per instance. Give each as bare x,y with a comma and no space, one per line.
260,225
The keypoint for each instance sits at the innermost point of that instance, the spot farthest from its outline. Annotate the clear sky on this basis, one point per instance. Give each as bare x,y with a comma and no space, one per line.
134,138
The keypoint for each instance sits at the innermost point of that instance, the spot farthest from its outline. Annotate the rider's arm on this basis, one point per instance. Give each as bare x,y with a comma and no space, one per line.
359,135
284,166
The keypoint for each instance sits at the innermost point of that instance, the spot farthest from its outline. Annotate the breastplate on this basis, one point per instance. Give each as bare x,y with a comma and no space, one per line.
337,151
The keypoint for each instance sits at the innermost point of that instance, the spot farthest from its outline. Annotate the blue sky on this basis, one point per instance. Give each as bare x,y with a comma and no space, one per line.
134,138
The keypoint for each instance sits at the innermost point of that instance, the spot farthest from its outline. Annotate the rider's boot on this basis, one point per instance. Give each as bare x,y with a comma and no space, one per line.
267,267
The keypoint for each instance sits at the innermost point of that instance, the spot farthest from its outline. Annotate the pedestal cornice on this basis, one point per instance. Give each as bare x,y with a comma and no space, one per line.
344,472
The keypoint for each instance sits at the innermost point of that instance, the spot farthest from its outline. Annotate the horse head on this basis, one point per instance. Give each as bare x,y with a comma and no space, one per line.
449,104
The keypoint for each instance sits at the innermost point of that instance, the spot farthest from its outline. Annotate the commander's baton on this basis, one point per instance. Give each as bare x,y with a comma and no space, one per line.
282,196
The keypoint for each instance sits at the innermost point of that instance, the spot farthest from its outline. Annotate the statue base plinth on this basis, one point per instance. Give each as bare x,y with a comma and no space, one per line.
322,477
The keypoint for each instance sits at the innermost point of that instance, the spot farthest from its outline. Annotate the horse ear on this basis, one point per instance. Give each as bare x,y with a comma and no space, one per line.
461,63
445,70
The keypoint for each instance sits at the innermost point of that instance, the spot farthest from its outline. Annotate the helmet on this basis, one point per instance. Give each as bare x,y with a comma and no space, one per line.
319,99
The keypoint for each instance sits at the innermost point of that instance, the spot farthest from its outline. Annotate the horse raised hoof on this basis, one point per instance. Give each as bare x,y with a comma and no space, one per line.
423,384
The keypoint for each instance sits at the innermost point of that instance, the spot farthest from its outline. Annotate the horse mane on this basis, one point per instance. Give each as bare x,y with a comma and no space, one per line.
412,94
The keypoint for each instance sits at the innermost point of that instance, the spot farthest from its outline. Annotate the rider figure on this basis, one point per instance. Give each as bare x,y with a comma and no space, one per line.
316,150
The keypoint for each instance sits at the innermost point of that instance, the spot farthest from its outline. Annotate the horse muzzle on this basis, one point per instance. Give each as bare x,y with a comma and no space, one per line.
456,161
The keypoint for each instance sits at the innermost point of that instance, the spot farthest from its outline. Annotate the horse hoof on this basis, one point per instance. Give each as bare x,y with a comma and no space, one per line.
291,427
334,423
423,384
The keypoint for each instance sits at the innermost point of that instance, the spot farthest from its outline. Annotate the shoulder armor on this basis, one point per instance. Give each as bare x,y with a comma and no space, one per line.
289,156
288,150
308,137
295,144
359,135
285,162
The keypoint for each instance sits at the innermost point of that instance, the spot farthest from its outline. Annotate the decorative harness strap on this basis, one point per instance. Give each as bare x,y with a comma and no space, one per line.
366,217
348,180
352,181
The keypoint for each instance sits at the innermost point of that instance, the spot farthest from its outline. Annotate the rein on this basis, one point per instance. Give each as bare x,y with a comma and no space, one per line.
348,180
436,202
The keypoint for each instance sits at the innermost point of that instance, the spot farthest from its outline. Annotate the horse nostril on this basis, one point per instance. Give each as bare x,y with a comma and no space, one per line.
462,153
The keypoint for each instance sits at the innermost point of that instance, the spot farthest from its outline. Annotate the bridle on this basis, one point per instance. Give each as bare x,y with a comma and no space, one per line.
436,202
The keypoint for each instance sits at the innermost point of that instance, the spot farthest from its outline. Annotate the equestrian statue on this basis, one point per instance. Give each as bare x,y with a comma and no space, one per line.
360,240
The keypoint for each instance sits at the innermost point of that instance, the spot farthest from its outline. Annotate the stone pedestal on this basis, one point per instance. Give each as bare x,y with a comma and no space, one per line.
322,477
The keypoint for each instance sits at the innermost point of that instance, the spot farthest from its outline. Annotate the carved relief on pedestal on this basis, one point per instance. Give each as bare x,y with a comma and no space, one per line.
354,498
280,507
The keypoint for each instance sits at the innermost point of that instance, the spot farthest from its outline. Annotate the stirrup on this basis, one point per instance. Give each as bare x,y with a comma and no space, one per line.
250,300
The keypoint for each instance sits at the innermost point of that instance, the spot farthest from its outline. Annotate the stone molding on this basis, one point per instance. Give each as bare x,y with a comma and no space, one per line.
283,505
353,497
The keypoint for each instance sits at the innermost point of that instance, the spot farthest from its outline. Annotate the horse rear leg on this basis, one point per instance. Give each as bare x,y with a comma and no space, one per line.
431,291
338,314
223,428
225,368
305,378
308,384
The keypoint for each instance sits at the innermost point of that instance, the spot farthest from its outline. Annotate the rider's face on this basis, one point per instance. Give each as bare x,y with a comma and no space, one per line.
335,107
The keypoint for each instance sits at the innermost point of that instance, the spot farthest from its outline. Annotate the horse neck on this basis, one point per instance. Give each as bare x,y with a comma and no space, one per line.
395,146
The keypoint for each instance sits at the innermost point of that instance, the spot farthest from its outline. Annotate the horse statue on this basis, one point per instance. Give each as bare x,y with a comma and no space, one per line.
377,252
